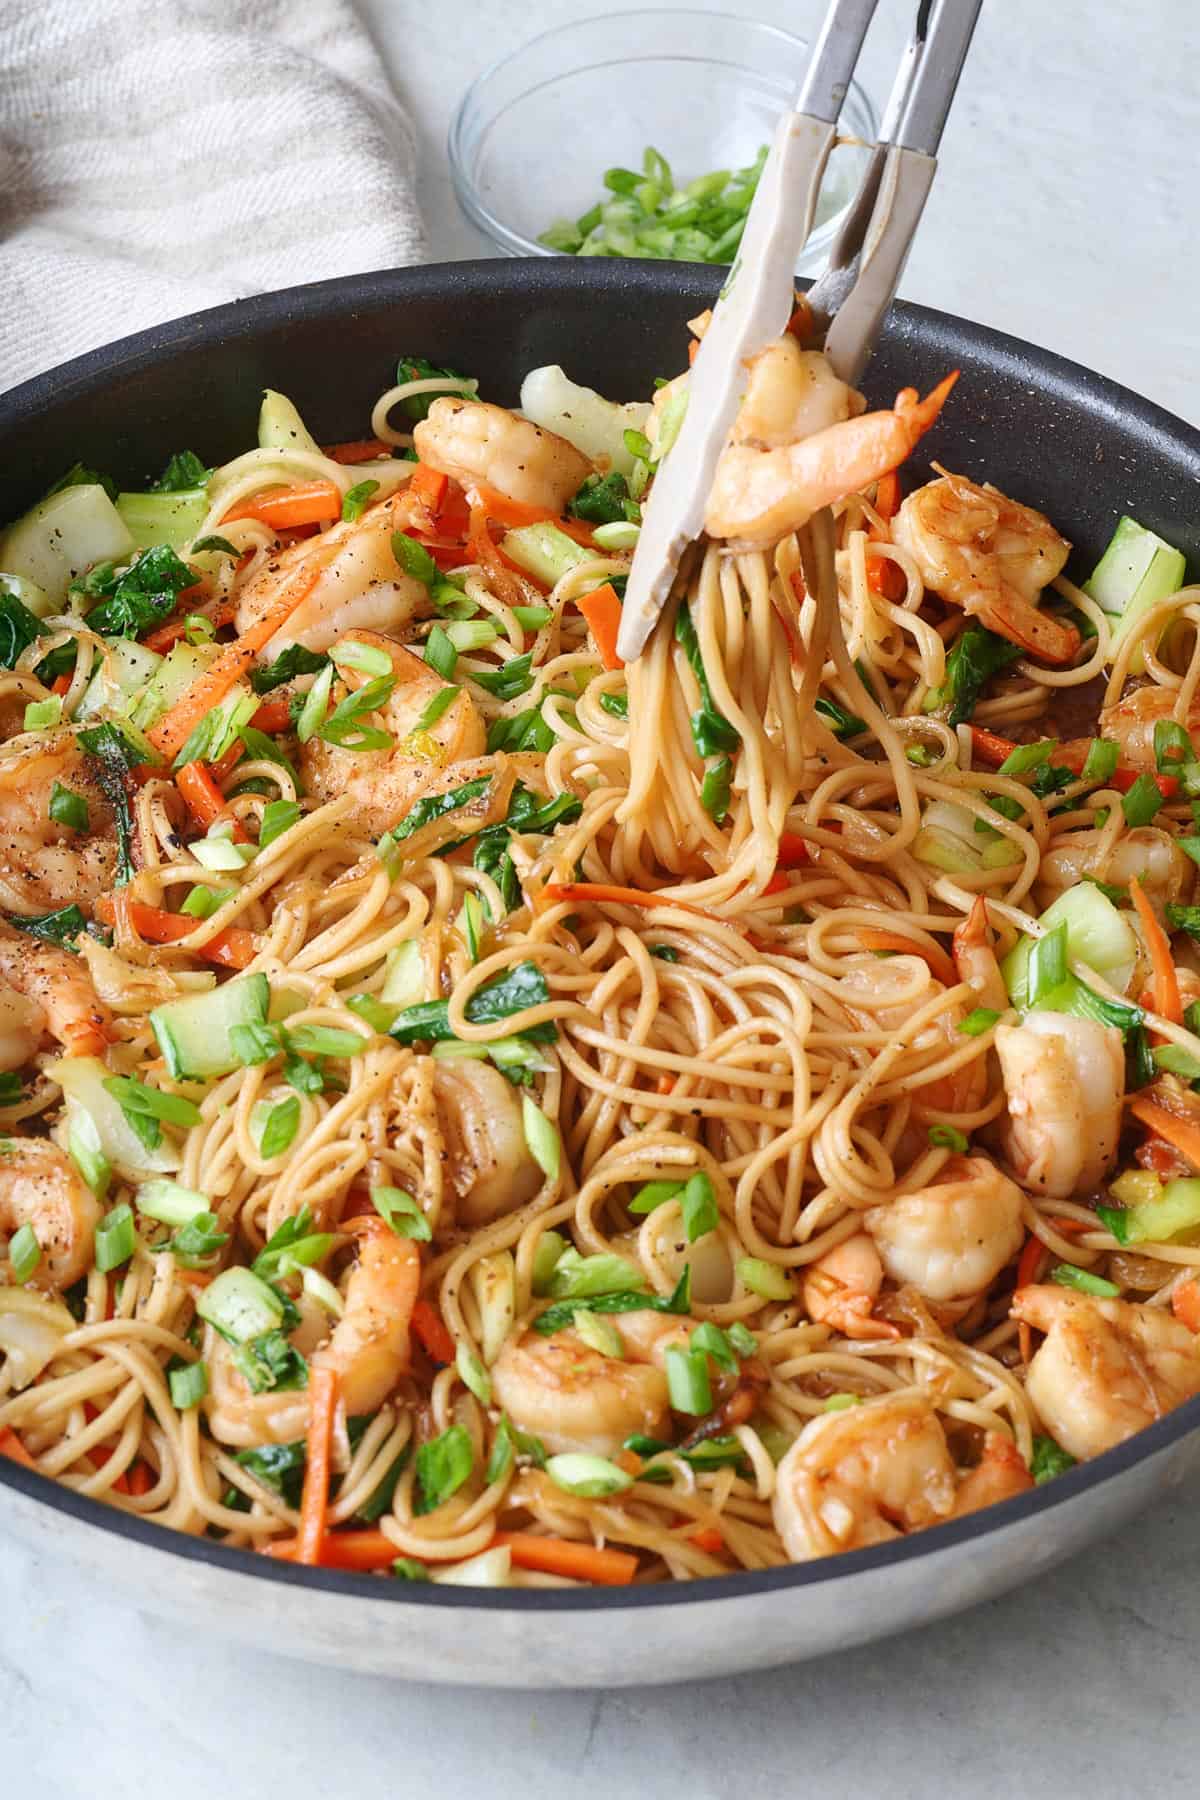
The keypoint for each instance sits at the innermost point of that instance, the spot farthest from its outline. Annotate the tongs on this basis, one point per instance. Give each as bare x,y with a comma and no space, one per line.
850,298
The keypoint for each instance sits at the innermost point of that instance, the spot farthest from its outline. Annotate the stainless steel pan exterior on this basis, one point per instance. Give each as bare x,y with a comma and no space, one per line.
1056,436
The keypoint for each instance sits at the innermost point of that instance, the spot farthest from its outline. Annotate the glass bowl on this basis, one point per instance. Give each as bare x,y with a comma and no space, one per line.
534,134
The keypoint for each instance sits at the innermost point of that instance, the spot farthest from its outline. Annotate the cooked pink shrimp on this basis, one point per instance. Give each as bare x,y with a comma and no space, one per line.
473,441
39,1187
45,865
975,958
763,491
59,988
1001,1473
841,1288
990,555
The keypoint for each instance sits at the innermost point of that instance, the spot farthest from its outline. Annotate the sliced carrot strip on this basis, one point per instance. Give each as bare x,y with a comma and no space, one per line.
314,1501
1030,1265
12,1447
233,949
141,1479
429,485
1168,1003
273,716
794,851
175,727
990,748
707,1538
1185,1303
305,503
515,513
1181,1132
602,610
562,1556
598,892
205,801
364,1551
429,1329
357,450
937,959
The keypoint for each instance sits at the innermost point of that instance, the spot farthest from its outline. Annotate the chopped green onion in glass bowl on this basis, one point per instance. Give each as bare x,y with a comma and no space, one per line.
639,134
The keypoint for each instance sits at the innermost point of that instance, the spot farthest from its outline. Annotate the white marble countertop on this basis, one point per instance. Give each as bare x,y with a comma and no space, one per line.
1062,214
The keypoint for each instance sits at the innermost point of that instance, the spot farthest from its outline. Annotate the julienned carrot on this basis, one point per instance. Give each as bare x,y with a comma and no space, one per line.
481,549
429,1329
364,1551
429,485
225,765
515,513
562,1556
1030,1264
12,1447
176,726
314,1501
272,716
1167,1001
777,884
1181,1132
990,748
602,610
707,1538
937,959
304,503
61,684
168,635
205,801
357,450
1185,1303
232,949
141,1479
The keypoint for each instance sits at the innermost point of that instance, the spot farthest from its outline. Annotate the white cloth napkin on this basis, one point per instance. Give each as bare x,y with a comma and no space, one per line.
158,156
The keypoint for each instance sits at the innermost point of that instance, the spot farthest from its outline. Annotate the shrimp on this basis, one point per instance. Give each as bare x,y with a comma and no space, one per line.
951,1240
59,989
765,487
1106,1368
975,958
862,1477
1165,871
473,441
990,555
45,865
357,585
576,1398
384,784
368,1348
1130,723
1000,1474
39,1187
841,1288
1065,1082
490,1168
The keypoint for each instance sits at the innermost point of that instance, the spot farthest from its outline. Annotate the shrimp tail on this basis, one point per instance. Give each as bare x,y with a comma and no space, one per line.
917,415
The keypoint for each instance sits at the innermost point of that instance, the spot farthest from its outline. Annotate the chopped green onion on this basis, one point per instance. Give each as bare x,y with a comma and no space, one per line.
116,1239
170,1203
576,1277
715,1343
590,1477
278,816
219,853
1172,746
254,1043
545,1145
84,1149
1178,1060
414,559
698,1204
441,703
345,725
1047,964
443,1464
688,1381
203,902
742,1338
473,1375
948,1137
325,1040
470,634
24,1253
43,715
197,629
841,1402
354,502
1028,756
440,652
241,1305
1101,761
379,1017
136,1096
599,1334
764,1278
550,1247
274,1127
979,1020
407,1568
1190,847
188,1385
1083,1281
715,789
1049,1459
652,1194
532,618
367,659
312,714
621,534
402,1212
68,808
1142,801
